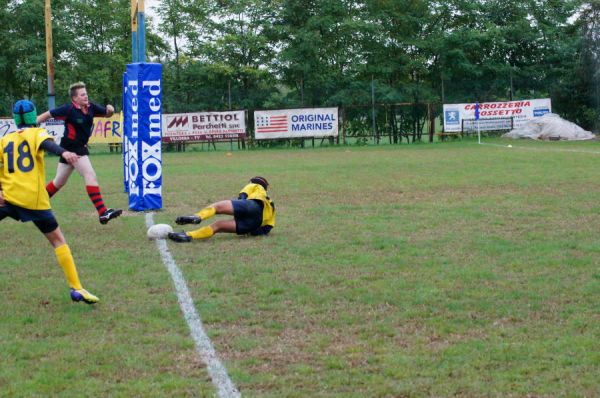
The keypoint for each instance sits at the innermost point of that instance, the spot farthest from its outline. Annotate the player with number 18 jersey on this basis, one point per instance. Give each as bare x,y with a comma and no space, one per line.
23,195
24,173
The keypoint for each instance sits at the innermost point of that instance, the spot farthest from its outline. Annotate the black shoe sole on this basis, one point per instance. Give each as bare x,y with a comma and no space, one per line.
84,301
185,222
180,240
177,239
115,214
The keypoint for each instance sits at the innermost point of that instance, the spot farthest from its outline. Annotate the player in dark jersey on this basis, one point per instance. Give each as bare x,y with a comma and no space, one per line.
79,121
253,213
23,195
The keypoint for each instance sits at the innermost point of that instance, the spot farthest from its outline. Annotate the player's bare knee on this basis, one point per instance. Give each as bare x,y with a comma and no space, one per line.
223,207
219,226
215,227
52,232
57,238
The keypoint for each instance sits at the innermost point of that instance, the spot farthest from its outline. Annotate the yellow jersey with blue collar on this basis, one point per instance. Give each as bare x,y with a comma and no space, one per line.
257,192
22,172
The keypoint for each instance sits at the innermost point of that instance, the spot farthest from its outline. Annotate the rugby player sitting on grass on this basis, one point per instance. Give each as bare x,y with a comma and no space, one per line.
253,213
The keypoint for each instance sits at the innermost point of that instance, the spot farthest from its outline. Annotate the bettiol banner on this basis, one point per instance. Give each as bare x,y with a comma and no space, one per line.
142,108
520,111
105,130
296,123
204,126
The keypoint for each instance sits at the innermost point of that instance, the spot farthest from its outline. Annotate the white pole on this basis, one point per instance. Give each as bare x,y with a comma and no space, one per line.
477,119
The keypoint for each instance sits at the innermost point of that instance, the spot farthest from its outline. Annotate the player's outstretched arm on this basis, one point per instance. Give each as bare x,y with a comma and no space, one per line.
50,146
43,117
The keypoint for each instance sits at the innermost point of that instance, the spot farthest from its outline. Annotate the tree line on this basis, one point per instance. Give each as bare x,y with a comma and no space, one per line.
260,54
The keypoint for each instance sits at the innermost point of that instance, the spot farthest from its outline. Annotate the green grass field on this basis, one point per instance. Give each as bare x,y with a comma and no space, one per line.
434,270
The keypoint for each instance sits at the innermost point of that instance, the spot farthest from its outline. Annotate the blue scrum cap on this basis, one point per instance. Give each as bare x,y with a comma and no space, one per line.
24,113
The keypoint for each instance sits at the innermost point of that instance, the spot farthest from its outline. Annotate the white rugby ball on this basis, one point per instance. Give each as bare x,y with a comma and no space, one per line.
159,231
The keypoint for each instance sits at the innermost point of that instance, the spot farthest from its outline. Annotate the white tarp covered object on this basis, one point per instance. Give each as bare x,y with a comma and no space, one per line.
550,127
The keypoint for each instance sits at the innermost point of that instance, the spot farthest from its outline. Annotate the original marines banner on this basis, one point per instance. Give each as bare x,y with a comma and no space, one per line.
142,114
204,126
520,112
296,123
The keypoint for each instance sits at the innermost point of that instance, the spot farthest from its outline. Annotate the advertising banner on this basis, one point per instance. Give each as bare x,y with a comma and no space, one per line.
105,130
108,130
7,126
520,112
204,126
55,127
296,123
142,118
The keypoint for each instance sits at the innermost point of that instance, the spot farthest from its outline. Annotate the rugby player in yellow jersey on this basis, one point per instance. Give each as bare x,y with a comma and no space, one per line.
23,194
253,213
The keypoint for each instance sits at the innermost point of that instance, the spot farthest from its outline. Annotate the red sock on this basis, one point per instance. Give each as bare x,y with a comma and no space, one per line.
51,188
96,198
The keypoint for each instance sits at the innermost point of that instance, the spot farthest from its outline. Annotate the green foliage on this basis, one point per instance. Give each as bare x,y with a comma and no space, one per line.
582,85
252,54
91,42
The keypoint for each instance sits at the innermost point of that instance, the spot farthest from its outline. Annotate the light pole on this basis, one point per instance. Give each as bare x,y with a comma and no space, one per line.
134,29
49,54
138,31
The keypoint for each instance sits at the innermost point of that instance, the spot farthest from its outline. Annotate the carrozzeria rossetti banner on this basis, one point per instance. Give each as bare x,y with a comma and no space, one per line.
520,111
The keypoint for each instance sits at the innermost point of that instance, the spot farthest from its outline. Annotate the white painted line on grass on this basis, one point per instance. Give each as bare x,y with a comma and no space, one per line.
204,347
528,148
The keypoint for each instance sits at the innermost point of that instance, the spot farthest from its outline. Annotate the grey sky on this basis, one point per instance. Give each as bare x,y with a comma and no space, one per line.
149,6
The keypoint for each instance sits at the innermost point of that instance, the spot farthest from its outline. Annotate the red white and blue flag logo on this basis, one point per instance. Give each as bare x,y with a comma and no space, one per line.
272,124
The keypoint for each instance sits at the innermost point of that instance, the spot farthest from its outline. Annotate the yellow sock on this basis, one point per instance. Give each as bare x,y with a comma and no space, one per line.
207,212
201,233
65,260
